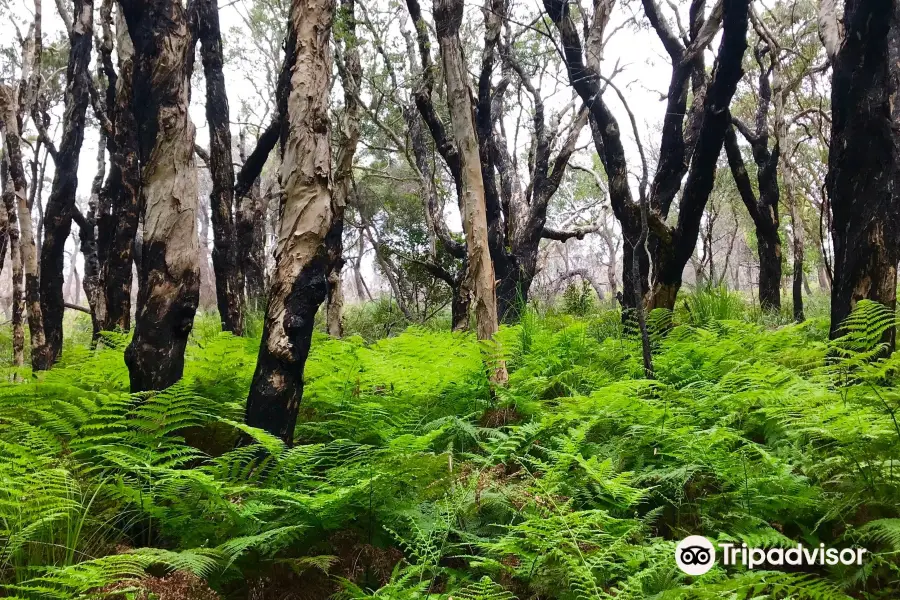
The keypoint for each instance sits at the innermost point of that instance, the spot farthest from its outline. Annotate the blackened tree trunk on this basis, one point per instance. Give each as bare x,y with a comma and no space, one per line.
88,243
221,200
250,224
4,223
119,207
675,246
763,211
308,227
61,203
585,80
252,206
863,161
169,268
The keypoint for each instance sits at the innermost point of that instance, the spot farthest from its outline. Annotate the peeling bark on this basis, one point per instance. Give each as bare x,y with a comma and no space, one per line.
169,273
448,18
57,222
864,161
40,356
308,227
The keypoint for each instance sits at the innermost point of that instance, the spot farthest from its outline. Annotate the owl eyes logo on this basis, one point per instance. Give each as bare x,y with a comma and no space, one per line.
695,555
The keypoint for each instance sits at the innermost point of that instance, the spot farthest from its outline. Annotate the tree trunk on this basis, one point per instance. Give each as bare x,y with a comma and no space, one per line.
448,17
61,204
221,199
117,221
88,242
763,212
250,225
675,247
348,137
308,227
40,356
863,161
169,269
15,259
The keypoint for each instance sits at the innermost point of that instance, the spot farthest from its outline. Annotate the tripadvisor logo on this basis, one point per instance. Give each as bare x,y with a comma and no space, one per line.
695,555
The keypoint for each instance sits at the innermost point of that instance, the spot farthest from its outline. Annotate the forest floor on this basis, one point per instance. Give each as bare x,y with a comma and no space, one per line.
411,478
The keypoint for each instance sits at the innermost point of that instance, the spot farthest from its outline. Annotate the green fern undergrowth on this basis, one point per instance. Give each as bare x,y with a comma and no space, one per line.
411,478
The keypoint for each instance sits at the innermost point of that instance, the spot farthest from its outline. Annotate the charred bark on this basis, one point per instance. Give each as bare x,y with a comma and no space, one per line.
88,243
250,219
674,247
169,268
221,200
607,139
863,161
763,211
119,201
308,227
61,203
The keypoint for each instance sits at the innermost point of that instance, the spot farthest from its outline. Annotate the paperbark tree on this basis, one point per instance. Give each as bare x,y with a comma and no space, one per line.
15,260
516,213
229,299
448,18
11,115
169,272
348,135
61,203
864,160
309,226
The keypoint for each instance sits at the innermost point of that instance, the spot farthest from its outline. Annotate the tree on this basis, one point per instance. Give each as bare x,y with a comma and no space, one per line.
61,203
15,259
448,17
309,224
763,209
348,135
118,202
169,272
12,110
229,298
690,143
863,165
